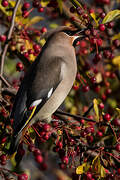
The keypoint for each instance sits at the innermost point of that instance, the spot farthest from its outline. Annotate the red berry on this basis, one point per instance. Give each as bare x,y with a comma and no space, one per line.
19,66
116,122
36,3
25,14
93,40
93,80
2,38
31,148
85,88
39,158
3,157
104,97
99,42
82,121
89,176
23,177
108,91
36,152
43,30
110,25
101,27
3,140
90,139
75,87
46,136
107,117
30,51
60,144
40,9
102,15
72,9
101,106
26,5
72,18
46,127
117,147
22,48
65,159
118,171
91,11
26,54
36,47
5,3
116,43
99,134
107,54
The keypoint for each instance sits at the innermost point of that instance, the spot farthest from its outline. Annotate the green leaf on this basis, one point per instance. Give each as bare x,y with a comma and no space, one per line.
34,20
111,16
95,102
60,5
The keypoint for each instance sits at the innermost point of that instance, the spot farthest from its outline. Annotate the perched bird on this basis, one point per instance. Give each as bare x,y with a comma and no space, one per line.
47,82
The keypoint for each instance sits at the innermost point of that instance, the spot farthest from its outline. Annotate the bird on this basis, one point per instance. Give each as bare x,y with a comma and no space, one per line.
46,83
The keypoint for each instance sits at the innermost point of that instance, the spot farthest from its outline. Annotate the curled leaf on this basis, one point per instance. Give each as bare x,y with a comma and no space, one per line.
111,16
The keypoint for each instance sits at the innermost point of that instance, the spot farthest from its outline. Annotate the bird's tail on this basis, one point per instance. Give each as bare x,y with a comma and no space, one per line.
14,144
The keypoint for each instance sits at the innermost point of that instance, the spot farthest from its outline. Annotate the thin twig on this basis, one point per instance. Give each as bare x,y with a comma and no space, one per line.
5,81
77,117
9,37
10,91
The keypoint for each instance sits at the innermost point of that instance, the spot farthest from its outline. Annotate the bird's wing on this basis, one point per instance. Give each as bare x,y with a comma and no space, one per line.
34,91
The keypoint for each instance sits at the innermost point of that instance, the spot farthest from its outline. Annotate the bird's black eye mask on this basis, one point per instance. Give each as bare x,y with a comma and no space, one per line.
68,32
72,33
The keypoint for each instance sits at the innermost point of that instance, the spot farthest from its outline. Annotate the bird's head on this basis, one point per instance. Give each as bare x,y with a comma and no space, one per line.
67,33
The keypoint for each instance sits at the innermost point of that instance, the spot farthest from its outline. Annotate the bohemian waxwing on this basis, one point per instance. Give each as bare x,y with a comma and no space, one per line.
47,82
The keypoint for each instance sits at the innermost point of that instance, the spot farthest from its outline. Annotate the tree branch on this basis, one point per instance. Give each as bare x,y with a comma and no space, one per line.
5,81
9,37
77,117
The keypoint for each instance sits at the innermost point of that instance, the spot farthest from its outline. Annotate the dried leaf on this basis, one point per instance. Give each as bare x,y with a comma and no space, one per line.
44,3
116,36
97,167
118,110
76,3
96,109
98,77
93,15
60,5
53,25
111,16
116,61
80,169
34,20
